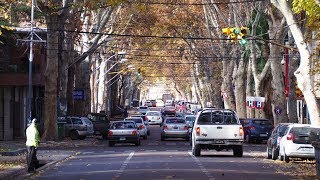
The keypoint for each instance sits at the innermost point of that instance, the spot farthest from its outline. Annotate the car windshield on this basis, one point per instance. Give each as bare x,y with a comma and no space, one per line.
174,121
136,120
262,122
153,114
217,117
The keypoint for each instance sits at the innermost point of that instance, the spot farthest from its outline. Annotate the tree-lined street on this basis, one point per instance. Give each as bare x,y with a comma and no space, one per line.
155,159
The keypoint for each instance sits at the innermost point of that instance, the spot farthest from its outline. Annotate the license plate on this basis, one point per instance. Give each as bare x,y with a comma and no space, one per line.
122,139
306,149
175,127
263,135
219,142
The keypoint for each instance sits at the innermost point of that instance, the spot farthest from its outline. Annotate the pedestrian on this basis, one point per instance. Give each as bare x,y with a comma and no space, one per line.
32,143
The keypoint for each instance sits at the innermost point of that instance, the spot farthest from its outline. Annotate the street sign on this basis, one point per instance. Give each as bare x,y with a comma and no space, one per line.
278,110
78,94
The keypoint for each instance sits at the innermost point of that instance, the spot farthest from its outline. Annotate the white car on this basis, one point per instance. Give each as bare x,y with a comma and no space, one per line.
140,123
143,109
154,117
296,142
148,103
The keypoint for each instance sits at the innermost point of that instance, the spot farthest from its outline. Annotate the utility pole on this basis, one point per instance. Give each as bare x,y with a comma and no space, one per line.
31,41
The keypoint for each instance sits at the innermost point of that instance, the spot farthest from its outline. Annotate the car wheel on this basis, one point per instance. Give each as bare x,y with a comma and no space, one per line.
74,135
238,151
137,143
145,136
286,158
82,137
268,153
196,150
111,144
162,138
274,154
247,139
148,133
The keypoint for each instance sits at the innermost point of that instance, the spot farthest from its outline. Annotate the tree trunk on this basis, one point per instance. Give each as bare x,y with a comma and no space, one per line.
51,75
303,73
240,89
276,25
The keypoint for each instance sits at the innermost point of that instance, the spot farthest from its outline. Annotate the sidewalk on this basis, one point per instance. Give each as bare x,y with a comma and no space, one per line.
13,155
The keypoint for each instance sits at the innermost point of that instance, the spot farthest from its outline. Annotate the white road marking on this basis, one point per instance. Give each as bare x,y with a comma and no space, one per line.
109,151
87,152
124,165
202,168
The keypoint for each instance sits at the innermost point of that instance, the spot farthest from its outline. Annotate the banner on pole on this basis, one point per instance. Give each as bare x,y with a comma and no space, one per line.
255,102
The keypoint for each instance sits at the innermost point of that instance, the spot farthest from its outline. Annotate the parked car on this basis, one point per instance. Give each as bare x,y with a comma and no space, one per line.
77,127
124,132
100,123
143,128
256,129
154,117
174,127
296,142
143,109
274,140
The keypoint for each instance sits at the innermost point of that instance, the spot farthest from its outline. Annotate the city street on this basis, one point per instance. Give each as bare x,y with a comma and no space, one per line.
155,159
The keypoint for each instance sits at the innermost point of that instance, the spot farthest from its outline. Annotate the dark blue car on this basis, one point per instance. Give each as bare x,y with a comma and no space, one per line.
256,130
274,140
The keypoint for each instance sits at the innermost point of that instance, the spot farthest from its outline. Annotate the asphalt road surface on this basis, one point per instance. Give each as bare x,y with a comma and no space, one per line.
155,159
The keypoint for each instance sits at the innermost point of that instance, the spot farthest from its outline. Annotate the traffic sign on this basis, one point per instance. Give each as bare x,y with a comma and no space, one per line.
278,110
78,94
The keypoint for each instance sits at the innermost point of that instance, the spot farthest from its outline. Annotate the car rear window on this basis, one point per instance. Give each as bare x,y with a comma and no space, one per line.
190,118
217,117
153,114
143,107
262,122
175,121
123,125
305,135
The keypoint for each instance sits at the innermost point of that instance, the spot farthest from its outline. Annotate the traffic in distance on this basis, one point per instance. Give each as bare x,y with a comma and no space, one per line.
204,128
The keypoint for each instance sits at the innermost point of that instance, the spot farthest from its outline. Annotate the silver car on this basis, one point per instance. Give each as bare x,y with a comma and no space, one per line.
143,131
77,127
124,132
174,127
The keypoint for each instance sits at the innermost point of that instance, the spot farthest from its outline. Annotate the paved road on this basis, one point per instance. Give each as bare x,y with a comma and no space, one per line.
156,159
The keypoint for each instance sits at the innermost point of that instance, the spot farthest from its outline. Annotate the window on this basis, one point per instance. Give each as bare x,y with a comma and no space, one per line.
217,117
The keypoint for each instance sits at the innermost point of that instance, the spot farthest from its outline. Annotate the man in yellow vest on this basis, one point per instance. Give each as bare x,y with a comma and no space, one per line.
32,143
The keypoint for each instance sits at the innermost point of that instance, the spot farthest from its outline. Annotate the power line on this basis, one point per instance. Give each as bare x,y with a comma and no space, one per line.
194,4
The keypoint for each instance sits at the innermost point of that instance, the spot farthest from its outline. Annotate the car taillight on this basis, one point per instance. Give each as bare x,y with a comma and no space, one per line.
146,118
290,137
241,131
198,131
252,128
134,132
141,126
110,133
158,118
165,127
186,128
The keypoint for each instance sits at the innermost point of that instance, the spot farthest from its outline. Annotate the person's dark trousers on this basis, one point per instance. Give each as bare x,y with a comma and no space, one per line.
32,160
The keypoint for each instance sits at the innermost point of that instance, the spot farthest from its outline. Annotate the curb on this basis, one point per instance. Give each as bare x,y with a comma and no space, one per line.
46,166
13,153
